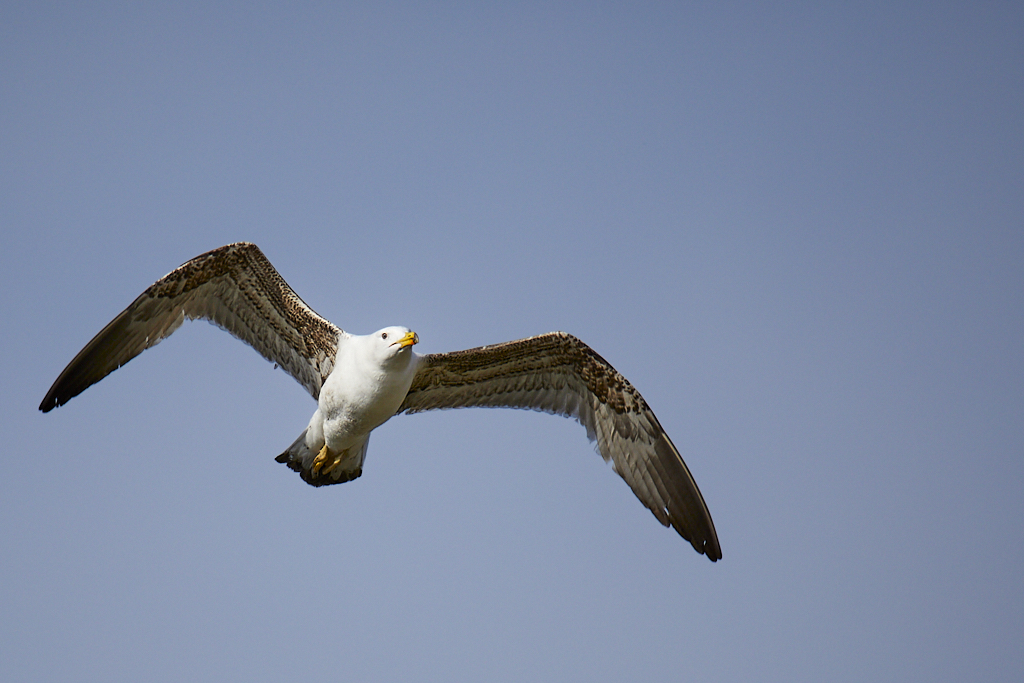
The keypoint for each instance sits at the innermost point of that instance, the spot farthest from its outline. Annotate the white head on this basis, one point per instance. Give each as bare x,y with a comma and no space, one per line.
392,344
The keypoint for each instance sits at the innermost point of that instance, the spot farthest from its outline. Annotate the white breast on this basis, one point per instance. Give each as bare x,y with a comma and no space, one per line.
363,391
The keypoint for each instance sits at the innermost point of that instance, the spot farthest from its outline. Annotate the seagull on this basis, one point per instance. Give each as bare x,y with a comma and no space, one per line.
361,381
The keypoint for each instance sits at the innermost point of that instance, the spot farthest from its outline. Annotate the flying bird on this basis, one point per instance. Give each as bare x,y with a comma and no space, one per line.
361,381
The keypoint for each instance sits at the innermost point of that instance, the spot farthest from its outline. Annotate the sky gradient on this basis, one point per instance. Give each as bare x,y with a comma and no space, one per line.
797,230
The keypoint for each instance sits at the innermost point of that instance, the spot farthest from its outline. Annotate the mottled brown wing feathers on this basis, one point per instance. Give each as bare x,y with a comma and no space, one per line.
557,373
234,287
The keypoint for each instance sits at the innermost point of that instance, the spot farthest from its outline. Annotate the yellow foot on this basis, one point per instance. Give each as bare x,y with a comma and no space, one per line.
319,461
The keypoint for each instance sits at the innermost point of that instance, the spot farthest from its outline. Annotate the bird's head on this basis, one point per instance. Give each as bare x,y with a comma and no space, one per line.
394,342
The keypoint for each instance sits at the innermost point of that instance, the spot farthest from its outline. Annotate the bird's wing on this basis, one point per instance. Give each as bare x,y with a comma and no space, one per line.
234,287
557,373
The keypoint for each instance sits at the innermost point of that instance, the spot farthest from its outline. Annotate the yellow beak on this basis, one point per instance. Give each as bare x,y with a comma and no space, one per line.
408,340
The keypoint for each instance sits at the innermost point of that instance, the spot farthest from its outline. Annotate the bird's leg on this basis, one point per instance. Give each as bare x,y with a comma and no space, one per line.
319,461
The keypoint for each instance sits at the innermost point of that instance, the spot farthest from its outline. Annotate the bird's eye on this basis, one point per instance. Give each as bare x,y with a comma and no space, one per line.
383,335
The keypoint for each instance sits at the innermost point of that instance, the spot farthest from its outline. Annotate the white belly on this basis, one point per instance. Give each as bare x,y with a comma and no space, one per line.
356,400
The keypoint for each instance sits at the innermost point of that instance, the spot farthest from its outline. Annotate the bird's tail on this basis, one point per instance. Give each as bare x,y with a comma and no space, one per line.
333,469
297,453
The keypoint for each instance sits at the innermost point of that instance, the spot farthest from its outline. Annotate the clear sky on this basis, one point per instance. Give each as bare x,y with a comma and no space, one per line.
798,230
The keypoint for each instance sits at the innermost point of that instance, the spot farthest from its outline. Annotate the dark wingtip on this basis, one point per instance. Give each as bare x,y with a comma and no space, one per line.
59,394
49,403
709,547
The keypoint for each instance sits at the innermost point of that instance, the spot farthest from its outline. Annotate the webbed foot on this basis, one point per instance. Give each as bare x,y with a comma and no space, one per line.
319,461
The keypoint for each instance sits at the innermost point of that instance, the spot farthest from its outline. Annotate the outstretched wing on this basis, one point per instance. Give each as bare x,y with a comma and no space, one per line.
234,287
557,373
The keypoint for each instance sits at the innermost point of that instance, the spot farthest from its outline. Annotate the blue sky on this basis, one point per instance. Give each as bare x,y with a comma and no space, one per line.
797,230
